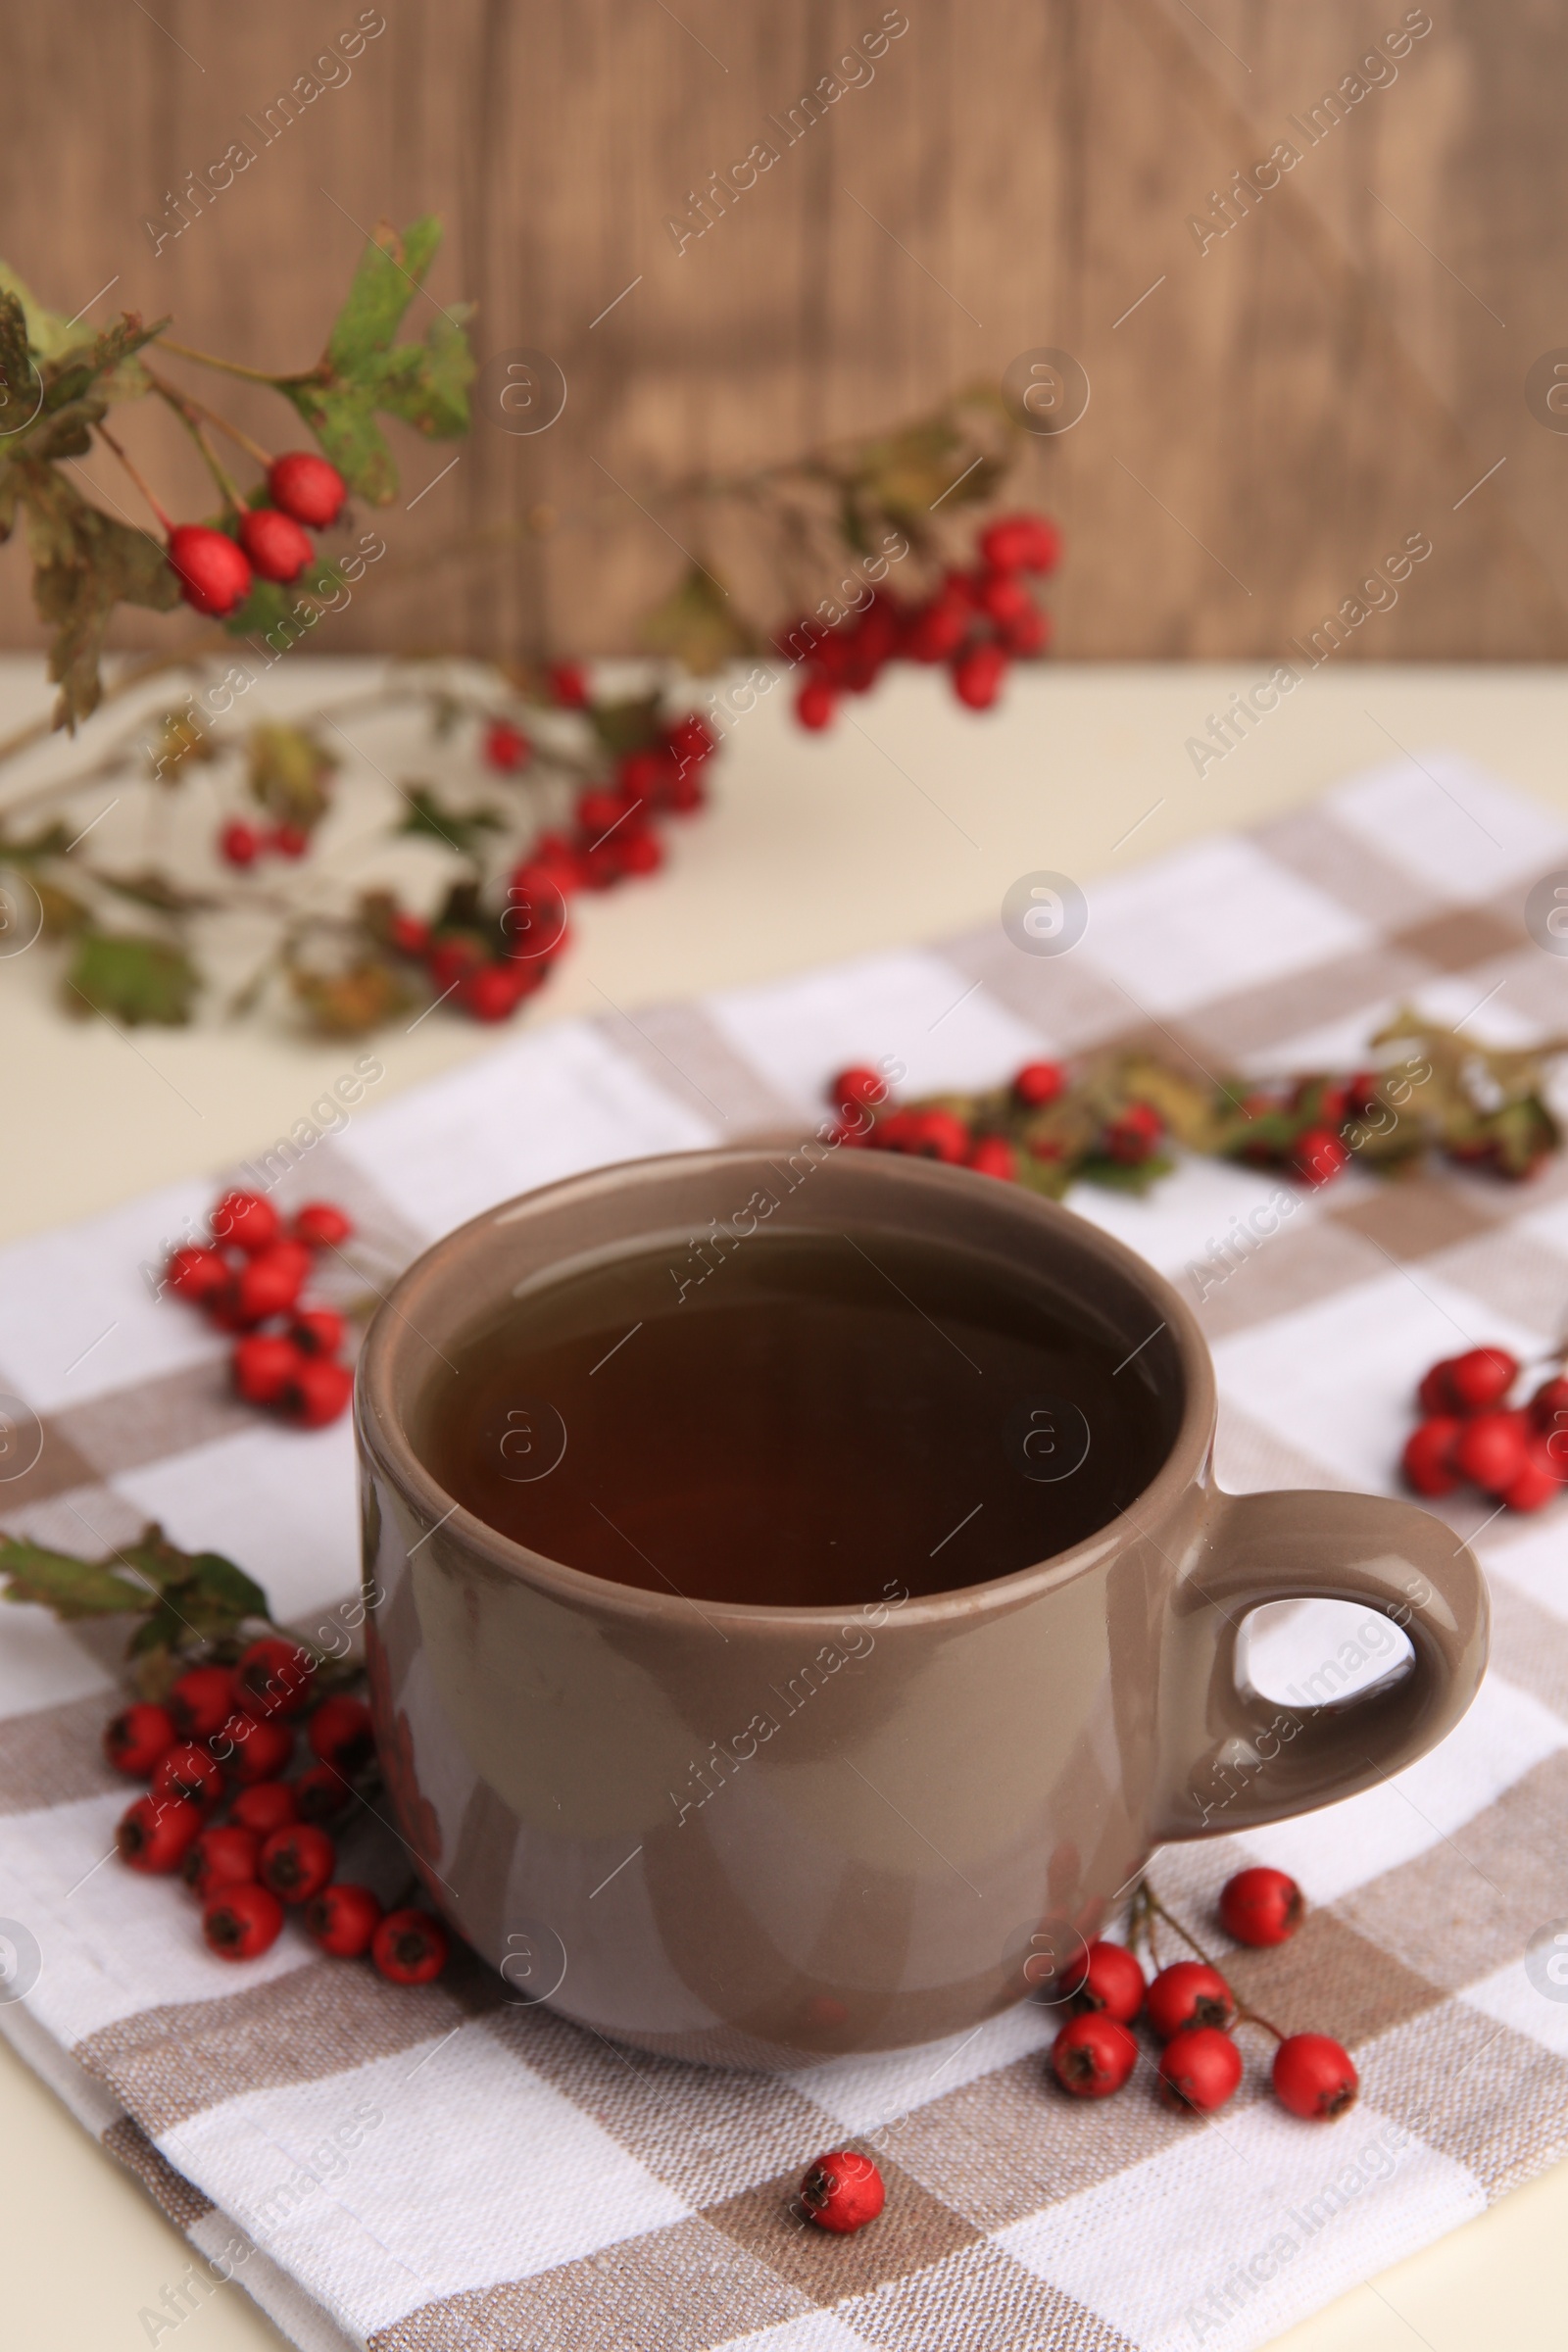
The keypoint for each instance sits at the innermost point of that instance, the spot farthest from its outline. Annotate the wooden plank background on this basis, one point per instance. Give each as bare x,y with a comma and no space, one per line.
1279,415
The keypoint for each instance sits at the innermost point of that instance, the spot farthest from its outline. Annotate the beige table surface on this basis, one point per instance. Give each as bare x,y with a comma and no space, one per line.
907,822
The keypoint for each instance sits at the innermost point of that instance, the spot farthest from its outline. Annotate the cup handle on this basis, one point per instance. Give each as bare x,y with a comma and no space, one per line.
1234,1759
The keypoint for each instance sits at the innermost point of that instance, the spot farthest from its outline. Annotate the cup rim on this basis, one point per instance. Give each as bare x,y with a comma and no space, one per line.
381,1437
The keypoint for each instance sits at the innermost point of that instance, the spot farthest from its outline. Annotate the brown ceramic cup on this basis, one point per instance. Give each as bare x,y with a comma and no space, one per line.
980,1773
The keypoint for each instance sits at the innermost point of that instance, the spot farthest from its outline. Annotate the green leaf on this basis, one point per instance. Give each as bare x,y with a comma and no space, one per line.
47,331
19,374
71,1588
435,822
349,1003
391,271
631,725
130,979
290,770
699,625
226,1586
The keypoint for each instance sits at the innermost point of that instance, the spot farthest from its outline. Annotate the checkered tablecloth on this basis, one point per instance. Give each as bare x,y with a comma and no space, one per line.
420,2172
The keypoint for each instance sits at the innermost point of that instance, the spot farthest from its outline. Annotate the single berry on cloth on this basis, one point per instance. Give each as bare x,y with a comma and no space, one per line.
1540,1477
343,1920
317,1392
155,1834
1480,1377
507,747
187,1774
224,1855
320,1793
266,1806
240,1923
135,1739
1261,1906
1092,2056
843,2191
1313,2077
1039,1083
239,844
321,1226
197,1274
202,1700
317,1330
409,1947
1491,1449
297,1862
1428,1457
245,1220
1113,1982
271,1280
263,1365
1189,1993
1200,2068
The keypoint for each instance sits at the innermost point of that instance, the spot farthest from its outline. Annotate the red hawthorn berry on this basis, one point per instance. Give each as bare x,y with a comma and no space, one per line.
687,793
213,575
1539,1480
187,1774
600,810
1200,2068
507,749
1112,1983
858,1088
306,488
1002,596
1427,1456
296,1862
1260,1906
1434,1395
843,2191
1317,1154
137,1737
409,934
568,683
343,1920
197,1275
273,1677
239,844
646,776
642,851
939,1135
816,703
1480,1377
493,992
339,1732
1313,2077
409,1947
1189,1993
242,1922
155,1834
317,1331
691,738
1092,2056
1491,1450
453,956
269,1281
246,1222
202,1700
277,548
1548,1400
1039,1083
289,841
600,865
320,1793
264,1806
224,1855
936,630
253,1748
264,1364
899,1131
978,675
319,1393
321,1226
993,1155
1021,543
1132,1137
1029,634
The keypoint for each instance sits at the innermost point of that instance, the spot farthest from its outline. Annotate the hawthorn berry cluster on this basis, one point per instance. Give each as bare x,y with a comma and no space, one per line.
977,621
248,1833
974,1134
489,956
1193,2012
267,541
1468,1430
247,1278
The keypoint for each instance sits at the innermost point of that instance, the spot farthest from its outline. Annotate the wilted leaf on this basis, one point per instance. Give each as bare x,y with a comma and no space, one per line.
632,725
181,737
71,1588
347,1004
130,979
153,889
699,625
289,772
84,564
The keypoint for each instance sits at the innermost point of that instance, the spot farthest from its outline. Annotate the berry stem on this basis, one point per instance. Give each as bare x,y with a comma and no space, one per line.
193,426
1146,1908
190,408
105,435
207,358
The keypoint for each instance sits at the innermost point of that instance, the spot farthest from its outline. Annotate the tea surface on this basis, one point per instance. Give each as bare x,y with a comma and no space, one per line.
818,1417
